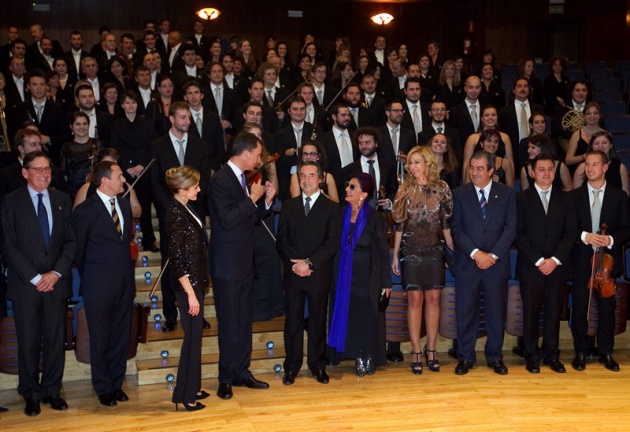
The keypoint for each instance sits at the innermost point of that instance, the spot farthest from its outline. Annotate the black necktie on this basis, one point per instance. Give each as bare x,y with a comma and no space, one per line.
307,206
42,216
372,172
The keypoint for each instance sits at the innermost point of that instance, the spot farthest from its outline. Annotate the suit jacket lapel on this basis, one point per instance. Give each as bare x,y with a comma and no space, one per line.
100,207
474,202
492,199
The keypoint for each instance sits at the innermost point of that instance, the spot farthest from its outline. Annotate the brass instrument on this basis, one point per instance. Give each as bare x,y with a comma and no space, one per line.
5,134
573,120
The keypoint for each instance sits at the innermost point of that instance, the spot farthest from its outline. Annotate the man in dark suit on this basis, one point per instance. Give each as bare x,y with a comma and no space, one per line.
596,203
287,142
149,46
132,136
546,232
514,118
102,226
361,116
437,113
173,60
75,54
108,52
274,95
189,70
201,42
483,227
372,100
100,121
205,125
43,58
377,55
416,115
16,90
324,94
49,117
177,148
308,237
5,50
383,172
38,246
234,210
461,115
219,98
38,33
270,118
560,130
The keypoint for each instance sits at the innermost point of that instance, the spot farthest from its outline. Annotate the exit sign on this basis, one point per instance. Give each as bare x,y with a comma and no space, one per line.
556,9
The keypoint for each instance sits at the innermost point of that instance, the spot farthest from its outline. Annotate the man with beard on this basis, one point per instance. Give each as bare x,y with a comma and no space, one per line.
338,144
361,116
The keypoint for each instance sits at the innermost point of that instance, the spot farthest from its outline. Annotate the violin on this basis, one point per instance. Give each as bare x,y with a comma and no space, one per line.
601,265
255,175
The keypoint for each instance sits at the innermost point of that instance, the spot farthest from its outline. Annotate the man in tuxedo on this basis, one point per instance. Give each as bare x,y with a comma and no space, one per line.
596,203
39,246
514,118
579,91
205,125
102,225
314,115
109,51
395,138
234,210
546,232
162,37
372,101
201,42
437,112
89,67
16,90
382,171
220,99
75,54
324,94
416,114
309,232
38,33
174,54
483,227
150,46
465,117
132,136
377,55
142,76
49,117
189,71
100,121
338,144
287,142
177,148
268,73
43,58
361,116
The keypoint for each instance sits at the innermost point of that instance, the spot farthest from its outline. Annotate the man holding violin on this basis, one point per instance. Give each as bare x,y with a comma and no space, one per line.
597,203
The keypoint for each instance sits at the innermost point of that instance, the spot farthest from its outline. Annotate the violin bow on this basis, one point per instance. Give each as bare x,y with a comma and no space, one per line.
143,172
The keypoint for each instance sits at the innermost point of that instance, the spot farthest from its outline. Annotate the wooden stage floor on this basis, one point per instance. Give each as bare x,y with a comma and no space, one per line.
391,400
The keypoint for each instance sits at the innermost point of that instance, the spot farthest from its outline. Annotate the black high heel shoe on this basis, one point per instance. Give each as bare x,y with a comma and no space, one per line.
434,365
416,367
198,406
202,394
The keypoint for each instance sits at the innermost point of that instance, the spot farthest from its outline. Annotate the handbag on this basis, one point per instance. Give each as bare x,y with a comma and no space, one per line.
383,301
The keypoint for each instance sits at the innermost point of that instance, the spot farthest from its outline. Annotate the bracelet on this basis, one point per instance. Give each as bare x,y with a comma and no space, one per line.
308,262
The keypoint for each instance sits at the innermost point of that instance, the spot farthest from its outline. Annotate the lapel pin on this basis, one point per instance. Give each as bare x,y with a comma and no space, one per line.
496,196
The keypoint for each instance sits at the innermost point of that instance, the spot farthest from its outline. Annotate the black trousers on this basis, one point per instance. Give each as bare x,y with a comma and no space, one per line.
605,319
145,197
40,324
169,309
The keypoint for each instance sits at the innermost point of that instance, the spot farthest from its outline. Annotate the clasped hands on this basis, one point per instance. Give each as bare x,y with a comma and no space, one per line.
300,268
599,240
47,282
484,260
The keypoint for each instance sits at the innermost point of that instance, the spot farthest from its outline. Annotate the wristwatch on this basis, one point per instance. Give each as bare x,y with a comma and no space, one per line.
308,262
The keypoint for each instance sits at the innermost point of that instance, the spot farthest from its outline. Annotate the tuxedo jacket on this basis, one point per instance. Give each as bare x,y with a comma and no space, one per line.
334,158
615,213
180,77
284,139
366,118
178,62
387,172
232,218
32,51
40,62
12,93
202,45
102,257
460,119
212,135
407,121
72,66
315,236
406,141
377,108
508,119
544,235
165,156
229,102
24,249
493,234
329,95
54,122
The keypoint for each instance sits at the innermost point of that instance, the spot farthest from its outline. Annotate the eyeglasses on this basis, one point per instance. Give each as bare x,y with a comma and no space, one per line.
40,170
309,154
351,186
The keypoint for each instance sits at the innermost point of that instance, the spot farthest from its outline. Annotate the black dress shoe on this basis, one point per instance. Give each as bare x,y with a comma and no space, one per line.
202,394
107,400
206,325
556,366
288,378
121,396
321,376
251,383
168,327
463,367
225,391
579,362
56,403
395,357
32,408
609,362
533,366
499,367
151,248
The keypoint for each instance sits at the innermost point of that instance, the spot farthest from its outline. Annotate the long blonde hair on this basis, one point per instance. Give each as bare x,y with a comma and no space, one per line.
432,173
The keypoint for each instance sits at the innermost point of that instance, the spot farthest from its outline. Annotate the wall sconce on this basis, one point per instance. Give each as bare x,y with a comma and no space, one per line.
208,13
382,18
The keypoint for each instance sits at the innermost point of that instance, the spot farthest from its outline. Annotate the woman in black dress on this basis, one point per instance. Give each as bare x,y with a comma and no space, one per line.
422,209
556,85
76,155
157,109
357,327
188,246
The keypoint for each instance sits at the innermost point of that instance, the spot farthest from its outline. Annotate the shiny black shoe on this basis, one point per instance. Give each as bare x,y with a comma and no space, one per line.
533,366
225,391
498,367
370,367
609,362
359,367
107,400
120,396
202,394
556,366
288,378
463,367
196,407
32,408
168,327
579,362
251,383
395,357
206,325
56,403
321,376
